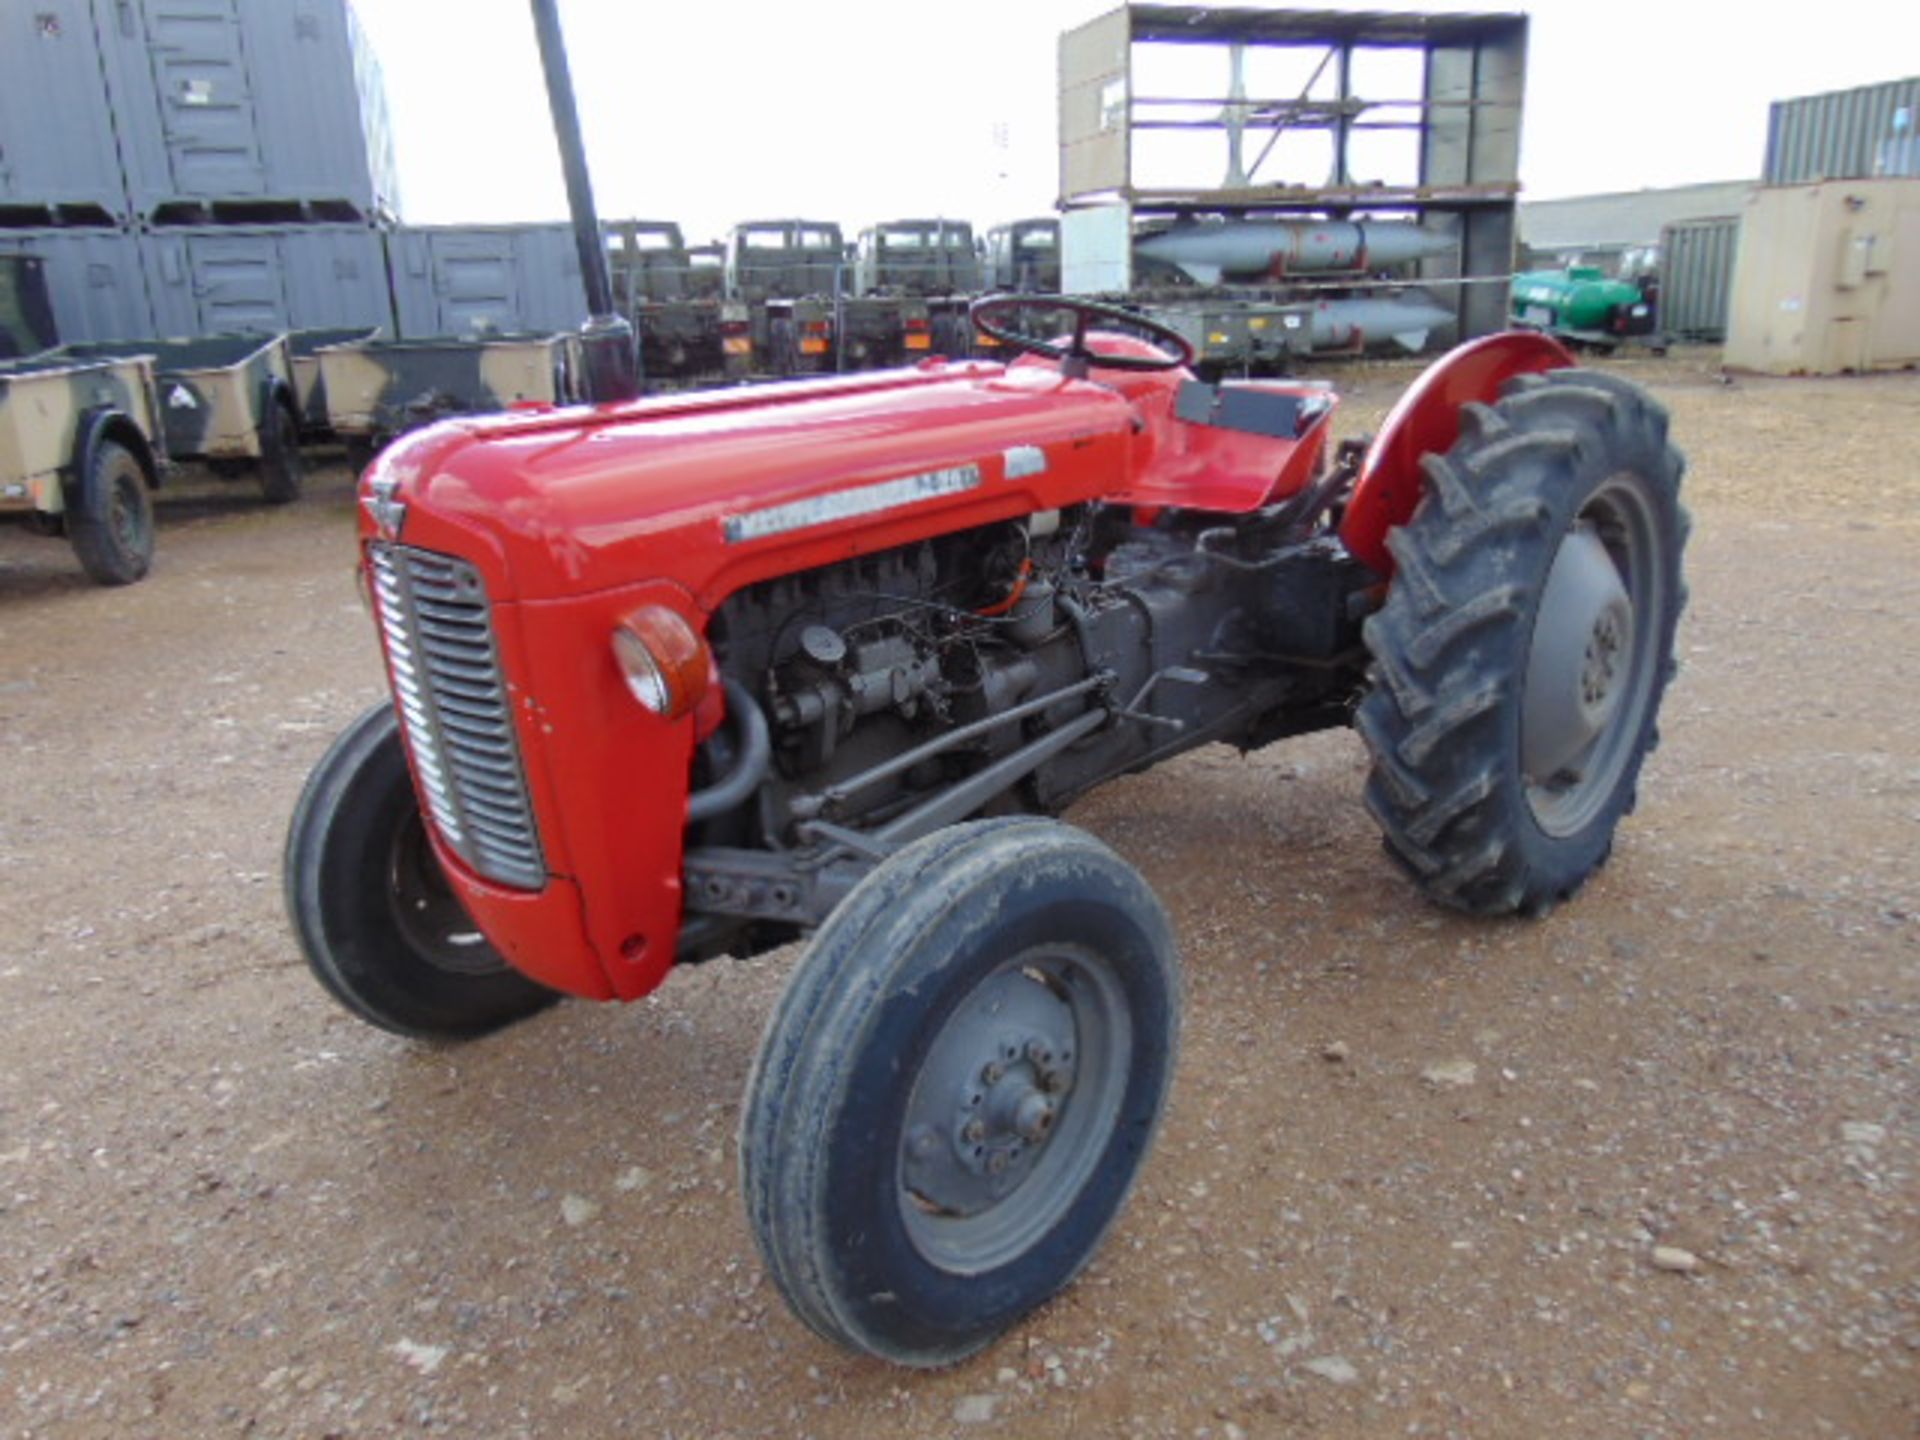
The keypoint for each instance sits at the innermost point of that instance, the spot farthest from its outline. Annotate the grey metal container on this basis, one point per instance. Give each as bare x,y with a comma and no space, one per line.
26,310
1845,135
467,279
1696,277
93,278
57,150
246,109
212,279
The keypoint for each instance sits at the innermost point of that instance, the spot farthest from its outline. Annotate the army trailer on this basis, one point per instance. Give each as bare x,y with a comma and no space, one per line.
81,449
782,279
227,400
309,385
380,389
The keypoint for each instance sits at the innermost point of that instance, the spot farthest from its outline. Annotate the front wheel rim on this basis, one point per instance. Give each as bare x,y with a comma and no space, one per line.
1593,659
1010,1112
123,516
431,919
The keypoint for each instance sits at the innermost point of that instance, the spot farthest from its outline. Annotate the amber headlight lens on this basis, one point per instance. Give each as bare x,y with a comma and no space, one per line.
663,660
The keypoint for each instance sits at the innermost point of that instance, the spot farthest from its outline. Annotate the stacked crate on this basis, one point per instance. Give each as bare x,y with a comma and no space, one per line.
187,167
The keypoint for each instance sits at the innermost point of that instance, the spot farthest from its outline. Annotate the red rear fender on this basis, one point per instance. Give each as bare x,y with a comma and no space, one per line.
1427,420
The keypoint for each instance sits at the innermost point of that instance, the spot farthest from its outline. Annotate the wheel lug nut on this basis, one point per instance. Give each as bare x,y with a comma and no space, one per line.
1035,1117
975,1132
997,1162
1039,1052
991,1075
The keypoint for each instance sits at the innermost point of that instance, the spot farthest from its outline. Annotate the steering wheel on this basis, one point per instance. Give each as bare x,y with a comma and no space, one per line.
1074,356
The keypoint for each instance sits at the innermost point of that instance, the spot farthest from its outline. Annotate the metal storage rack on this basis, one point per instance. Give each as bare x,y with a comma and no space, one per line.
1463,178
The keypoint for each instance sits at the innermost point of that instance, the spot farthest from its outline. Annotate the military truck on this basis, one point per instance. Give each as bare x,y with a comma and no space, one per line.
377,390
781,280
227,400
1024,256
81,448
913,280
674,302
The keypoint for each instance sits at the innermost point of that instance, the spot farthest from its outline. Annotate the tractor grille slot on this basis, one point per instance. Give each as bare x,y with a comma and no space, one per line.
446,676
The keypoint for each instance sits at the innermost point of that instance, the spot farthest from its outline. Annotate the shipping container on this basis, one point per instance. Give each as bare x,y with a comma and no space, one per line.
468,279
58,162
246,110
1825,280
1854,134
93,278
213,279
26,309
1696,277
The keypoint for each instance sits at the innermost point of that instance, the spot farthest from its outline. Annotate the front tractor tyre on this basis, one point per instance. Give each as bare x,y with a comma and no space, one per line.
380,927
1526,641
959,1086
110,516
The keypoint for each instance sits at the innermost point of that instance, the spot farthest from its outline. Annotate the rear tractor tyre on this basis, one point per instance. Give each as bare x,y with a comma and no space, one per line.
110,517
380,928
958,1087
1526,642
281,473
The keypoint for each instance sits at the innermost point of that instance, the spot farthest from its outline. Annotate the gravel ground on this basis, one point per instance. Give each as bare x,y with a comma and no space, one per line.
1645,1168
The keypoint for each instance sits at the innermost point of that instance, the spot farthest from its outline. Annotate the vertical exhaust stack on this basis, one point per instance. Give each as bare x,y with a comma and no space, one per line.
609,356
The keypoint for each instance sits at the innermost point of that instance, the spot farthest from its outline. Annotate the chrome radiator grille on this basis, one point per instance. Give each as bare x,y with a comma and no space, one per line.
446,676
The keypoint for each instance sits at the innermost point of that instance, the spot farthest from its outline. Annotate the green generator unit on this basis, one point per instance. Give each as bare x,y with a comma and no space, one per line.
1584,305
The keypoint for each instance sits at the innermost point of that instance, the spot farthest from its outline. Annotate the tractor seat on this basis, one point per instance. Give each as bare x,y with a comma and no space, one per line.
1252,409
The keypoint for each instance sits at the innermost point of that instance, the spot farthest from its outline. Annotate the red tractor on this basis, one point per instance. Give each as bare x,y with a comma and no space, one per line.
698,676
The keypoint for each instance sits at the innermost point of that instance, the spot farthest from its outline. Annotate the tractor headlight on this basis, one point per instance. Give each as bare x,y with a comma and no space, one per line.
663,660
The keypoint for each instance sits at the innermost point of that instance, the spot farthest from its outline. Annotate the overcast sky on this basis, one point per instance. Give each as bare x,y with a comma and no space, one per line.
709,111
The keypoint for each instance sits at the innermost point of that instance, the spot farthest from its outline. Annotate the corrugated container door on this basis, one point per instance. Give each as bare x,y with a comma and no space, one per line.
552,296
1696,277
336,276
239,282
321,112
206,100
206,283
476,282
56,131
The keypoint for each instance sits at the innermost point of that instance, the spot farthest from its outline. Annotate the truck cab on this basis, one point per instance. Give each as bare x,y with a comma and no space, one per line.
917,257
782,259
1024,256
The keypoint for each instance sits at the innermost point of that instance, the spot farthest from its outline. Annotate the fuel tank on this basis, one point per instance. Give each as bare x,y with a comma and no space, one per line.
1209,250
1363,321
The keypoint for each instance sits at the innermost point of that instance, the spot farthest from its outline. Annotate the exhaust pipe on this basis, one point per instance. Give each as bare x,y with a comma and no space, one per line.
608,354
